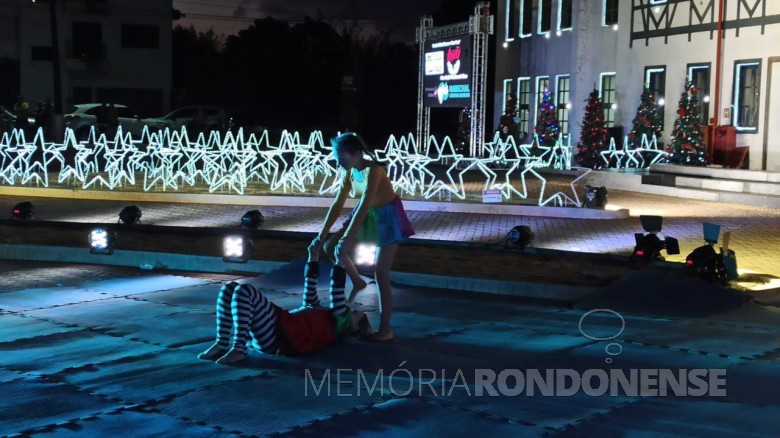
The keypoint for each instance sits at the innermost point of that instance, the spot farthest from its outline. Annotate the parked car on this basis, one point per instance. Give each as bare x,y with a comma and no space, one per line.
86,115
198,118
8,119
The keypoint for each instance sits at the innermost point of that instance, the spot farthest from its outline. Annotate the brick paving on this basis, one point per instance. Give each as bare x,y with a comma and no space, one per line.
755,230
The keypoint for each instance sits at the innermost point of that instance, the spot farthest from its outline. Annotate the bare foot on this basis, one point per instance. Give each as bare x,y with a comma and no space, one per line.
212,352
381,336
232,356
356,287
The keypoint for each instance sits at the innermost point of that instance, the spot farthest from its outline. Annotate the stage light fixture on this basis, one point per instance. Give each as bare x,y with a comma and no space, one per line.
252,220
236,249
519,237
595,197
365,255
101,241
130,215
23,210
708,264
648,246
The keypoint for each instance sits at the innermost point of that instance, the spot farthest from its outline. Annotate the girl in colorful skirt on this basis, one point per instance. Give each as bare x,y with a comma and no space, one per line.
379,218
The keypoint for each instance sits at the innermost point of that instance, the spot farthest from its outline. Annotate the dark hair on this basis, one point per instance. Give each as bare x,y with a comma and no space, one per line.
353,144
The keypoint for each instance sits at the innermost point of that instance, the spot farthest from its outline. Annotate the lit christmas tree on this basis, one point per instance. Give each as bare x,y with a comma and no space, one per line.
688,145
507,126
593,138
547,128
646,121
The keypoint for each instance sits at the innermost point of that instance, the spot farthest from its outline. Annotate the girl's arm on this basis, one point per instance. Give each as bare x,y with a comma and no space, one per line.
336,207
375,176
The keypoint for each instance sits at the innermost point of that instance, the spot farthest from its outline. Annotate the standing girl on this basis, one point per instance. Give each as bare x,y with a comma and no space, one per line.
379,218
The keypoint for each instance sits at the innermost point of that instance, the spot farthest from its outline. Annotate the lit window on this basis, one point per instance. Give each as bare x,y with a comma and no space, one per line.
746,94
655,78
610,12
523,104
562,103
608,98
564,14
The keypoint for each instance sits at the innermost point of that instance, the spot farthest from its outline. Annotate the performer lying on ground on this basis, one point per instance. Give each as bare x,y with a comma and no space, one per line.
245,317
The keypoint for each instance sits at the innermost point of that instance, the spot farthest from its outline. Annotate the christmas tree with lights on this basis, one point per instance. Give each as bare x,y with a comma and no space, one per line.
547,129
507,126
688,146
646,122
593,138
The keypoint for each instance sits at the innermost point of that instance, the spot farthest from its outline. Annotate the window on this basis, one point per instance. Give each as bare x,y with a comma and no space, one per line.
542,84
700,77
746,94
523,104
511,20
527,15
507,93
655,78
564,15
608,98
545,16
610,12
562,103
41,53
140,36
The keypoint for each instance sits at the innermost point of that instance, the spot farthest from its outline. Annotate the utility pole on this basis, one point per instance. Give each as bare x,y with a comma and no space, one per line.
55,54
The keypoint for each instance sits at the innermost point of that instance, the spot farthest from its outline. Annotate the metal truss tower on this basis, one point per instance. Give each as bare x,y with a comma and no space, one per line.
479,26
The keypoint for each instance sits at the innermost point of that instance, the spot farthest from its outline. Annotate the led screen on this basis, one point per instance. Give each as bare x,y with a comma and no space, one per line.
447,68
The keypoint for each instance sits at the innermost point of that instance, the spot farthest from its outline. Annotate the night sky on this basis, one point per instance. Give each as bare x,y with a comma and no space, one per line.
398,17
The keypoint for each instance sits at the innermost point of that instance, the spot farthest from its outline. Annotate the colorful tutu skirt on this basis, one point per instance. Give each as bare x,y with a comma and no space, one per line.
384,225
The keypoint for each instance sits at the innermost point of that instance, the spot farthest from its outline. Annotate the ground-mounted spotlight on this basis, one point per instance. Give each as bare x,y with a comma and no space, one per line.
130,215
252,220
23,210
365,255
519,237
236,249
708,264
648,246
101,241
595,197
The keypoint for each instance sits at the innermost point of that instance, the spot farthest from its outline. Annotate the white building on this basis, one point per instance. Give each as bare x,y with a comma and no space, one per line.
616,46
109,51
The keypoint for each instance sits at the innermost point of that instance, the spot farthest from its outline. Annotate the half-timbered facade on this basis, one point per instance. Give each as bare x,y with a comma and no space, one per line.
571,47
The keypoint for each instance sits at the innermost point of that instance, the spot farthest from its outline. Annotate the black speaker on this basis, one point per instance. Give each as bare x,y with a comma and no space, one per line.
252,219
130,215
23,210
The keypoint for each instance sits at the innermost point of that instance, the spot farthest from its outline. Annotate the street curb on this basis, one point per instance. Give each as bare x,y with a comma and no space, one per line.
311,201
182,262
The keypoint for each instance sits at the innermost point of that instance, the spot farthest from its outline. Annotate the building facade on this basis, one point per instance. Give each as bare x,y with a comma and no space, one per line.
572,47
109,51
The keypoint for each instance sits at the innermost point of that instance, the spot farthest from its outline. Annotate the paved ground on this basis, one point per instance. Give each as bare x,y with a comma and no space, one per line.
97,351
755,230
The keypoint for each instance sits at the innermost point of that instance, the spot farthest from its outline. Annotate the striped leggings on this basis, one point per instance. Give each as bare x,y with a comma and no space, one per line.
244,313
